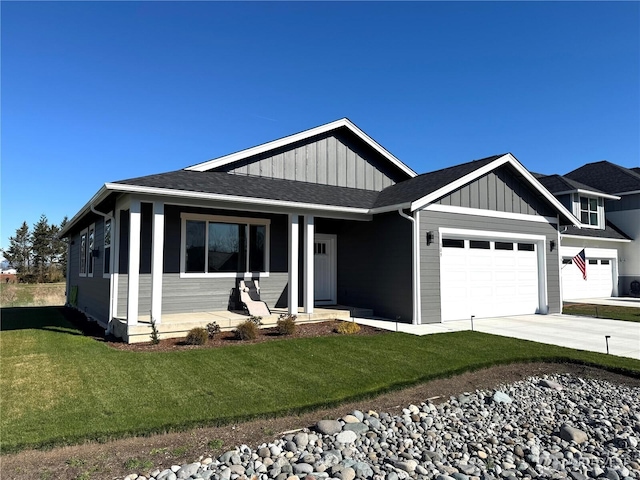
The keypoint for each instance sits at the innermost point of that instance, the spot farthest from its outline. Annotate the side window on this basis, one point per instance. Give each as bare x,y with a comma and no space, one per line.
91,245
107,247
82,261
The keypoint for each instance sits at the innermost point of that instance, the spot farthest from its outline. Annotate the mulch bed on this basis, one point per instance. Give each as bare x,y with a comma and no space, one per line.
222,339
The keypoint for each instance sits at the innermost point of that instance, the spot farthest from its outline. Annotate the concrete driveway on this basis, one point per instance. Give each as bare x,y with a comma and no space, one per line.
582,333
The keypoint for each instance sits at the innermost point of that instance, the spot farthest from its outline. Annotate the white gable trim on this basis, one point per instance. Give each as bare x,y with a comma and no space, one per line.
598,239
508,158
436,207
589,192
343,122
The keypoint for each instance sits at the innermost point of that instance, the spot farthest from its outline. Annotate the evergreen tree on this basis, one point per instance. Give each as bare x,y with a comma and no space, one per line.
59,258
42,248
19,252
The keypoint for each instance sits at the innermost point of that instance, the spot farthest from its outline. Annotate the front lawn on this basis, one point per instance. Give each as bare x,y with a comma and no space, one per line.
59,387
613,312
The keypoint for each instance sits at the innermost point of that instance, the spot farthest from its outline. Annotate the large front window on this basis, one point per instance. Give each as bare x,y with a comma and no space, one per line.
224,245
589,211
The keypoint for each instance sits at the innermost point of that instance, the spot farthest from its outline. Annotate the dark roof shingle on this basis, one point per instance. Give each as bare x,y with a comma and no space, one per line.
557,183
257,187
610,231
607,176
417,187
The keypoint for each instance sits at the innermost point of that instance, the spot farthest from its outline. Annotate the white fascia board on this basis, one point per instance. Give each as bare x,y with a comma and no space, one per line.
598,239
390,208
589,192
634,192
507,158
97,198
231,198
435,207
343,122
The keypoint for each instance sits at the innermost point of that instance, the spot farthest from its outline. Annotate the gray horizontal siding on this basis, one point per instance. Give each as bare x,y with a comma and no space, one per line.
430,255
188,295
501,190
93,292
334,159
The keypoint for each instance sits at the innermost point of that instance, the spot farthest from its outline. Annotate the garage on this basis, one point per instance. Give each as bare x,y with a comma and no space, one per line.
599,282
488,277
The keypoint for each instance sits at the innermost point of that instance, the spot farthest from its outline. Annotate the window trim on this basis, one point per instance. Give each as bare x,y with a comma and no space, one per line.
247,221
107,246
90,258
577,202
82,256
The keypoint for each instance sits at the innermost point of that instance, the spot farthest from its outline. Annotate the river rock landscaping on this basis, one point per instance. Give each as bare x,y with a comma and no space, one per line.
558,426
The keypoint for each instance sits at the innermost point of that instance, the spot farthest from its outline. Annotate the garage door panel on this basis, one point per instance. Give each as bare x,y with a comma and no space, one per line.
599,281
487,283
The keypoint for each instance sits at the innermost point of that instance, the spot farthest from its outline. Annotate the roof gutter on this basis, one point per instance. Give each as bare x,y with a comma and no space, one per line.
97,198
415,263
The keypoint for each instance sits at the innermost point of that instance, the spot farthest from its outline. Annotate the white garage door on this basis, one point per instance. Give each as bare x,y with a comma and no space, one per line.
488,278
599,282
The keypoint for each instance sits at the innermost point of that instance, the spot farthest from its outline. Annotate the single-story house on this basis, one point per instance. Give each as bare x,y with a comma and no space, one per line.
605,197
323,217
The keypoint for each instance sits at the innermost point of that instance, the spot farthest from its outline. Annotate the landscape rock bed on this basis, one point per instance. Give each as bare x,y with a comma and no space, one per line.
559,426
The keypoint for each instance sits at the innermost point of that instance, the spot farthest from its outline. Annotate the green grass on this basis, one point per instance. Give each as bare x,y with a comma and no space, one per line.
59,387
630,314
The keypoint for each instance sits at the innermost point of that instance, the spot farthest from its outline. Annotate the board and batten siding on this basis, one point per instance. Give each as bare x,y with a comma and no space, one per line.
431,221
93,292
500,190
374,265
331,159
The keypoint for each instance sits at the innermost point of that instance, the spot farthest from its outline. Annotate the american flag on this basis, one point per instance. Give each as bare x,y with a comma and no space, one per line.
580,261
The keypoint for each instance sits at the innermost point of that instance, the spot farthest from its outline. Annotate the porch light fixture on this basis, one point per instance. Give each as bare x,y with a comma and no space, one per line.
552,245
429,238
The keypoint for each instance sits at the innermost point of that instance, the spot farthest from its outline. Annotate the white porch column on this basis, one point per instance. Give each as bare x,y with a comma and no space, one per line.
293,263
134,263
309,285
157,261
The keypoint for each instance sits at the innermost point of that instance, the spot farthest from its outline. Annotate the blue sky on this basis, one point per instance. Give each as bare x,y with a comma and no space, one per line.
101,91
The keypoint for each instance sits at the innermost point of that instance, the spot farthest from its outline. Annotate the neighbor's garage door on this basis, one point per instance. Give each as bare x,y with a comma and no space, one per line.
488,278
599,282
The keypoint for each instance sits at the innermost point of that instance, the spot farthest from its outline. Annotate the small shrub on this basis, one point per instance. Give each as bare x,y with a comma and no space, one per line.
256,320
287,324
212,329
155,335
348,328
215,444
197,336
136,464
247,330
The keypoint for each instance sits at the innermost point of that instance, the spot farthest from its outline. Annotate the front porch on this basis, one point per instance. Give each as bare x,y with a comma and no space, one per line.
177,325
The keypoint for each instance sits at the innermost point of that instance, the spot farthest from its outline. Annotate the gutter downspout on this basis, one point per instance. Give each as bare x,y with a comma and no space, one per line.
414,264
107,216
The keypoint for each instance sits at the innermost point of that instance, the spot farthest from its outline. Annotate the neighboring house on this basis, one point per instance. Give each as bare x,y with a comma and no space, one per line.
9,275
323,217
618,181
600,238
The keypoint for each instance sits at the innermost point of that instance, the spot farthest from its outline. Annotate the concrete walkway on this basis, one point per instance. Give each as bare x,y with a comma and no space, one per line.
582,333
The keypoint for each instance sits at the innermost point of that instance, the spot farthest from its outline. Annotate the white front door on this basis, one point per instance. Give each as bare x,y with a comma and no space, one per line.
324,260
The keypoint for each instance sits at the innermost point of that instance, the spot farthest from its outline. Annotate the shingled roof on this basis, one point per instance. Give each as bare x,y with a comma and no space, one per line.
610,231
607,176
223,183
417,187
559,184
